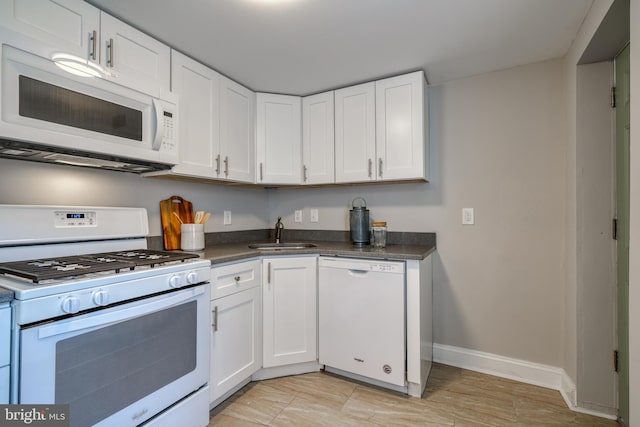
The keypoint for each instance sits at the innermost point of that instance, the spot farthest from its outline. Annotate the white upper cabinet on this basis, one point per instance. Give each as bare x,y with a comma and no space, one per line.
318,148
237,131
355,129
199,90
382,130
73,27
402,128
134,59
278,139
69,26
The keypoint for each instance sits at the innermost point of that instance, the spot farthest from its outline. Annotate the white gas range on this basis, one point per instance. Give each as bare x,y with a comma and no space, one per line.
116,331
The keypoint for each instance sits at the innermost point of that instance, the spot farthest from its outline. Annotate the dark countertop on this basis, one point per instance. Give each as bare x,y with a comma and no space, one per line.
221,253
5,295
231,246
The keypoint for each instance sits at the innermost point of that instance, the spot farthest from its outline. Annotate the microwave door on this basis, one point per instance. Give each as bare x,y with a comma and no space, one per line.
42,104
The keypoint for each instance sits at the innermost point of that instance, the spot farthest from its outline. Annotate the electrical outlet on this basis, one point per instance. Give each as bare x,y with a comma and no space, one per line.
297,216
314,215
227,218
467,216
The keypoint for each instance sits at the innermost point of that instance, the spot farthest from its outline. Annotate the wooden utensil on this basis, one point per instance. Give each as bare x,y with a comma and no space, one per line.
172,211
205,218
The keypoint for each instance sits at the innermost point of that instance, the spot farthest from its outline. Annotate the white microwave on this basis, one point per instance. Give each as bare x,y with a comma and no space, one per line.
48,114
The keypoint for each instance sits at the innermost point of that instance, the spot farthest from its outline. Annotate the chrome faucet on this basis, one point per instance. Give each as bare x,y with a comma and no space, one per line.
279,228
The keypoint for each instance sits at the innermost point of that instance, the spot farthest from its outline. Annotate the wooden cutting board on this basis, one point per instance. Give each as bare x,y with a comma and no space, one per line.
170,224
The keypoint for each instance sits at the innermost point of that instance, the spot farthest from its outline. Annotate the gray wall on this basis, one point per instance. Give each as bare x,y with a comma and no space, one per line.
497,145
36,183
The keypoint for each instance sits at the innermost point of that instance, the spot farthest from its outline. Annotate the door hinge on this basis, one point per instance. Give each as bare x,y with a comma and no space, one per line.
615,360
614,228
613,97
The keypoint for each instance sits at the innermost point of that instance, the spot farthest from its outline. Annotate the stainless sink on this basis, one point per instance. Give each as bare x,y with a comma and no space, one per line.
281,246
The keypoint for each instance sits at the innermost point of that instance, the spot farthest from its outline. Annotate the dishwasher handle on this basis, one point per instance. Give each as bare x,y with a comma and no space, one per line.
358,273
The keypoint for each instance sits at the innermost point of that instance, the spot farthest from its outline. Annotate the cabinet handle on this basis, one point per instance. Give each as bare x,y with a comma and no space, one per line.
268,272
218,164
110,53
304,173
370,167
260,171
93,39
215,318
226,165
237,278
380,167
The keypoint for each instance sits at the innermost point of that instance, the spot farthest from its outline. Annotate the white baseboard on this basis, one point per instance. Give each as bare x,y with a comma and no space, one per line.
514,369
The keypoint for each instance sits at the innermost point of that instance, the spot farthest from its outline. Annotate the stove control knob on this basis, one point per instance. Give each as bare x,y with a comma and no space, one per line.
101,298
70,305
174,281
192,278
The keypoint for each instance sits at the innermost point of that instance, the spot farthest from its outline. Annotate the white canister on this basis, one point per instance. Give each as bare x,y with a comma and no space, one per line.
192,237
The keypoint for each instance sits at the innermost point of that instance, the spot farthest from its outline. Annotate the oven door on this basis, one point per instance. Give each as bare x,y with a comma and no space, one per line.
121,365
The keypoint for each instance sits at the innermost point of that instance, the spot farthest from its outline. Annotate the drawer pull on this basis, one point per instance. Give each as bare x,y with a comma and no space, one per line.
237,279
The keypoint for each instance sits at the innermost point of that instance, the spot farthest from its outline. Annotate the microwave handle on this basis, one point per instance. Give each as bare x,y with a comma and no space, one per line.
158,111
121,315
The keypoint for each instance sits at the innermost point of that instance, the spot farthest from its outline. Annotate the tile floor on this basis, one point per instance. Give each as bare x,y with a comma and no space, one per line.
454,397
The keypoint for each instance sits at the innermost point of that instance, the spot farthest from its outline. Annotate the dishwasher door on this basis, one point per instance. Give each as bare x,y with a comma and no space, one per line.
362,317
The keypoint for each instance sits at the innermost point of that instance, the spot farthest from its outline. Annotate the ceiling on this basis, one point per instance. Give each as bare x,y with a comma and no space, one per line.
301,47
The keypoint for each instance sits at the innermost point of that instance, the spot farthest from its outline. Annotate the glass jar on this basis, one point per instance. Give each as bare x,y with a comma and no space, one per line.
379,234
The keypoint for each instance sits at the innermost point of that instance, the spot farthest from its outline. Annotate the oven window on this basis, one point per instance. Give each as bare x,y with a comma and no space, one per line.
103,371
44,101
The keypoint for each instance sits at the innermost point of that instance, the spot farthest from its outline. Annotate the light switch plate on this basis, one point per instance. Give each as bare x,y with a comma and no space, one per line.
297,216
314,215
227,218
467,216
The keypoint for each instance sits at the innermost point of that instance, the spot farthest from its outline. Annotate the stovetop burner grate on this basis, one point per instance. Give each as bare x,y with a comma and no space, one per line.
56,268
38,270
147,256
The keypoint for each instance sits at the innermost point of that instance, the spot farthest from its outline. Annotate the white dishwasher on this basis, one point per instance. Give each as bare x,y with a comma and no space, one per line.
362,317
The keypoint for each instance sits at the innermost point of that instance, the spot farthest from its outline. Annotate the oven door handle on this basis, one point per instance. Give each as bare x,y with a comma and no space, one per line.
93,320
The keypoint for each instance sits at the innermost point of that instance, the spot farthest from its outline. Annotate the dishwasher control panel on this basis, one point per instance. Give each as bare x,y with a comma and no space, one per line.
360,264
387,268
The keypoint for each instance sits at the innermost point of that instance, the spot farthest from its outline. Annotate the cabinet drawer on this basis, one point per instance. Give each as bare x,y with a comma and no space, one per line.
5,335
232,278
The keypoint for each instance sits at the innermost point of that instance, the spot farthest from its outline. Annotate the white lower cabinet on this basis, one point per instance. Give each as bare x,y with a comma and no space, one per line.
5,345
236,333
290,310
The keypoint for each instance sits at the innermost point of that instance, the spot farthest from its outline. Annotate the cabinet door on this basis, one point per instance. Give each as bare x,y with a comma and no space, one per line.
401,127
236,340
278,139
289,304
134,59
237,131
67,26
318,147
355,133
199,90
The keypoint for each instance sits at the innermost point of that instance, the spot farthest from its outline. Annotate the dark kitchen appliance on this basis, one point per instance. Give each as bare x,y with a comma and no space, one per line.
359,222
